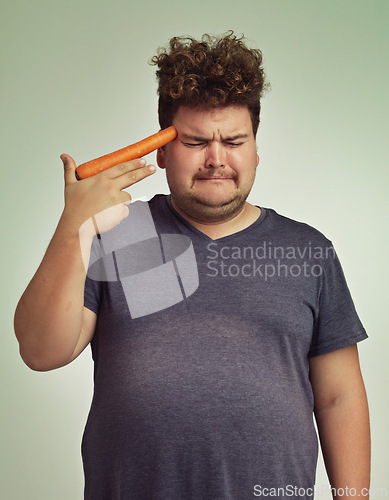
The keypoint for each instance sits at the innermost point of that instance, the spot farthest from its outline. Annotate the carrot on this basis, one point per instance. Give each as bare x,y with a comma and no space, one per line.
128,153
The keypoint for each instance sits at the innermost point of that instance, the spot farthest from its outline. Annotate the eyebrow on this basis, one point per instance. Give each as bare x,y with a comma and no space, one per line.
236,137
199,137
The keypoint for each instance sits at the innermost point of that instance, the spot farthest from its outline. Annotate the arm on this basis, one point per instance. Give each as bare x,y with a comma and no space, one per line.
341,412
51,323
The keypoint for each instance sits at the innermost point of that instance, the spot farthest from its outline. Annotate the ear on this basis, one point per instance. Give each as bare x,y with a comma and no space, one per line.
257,160
161,153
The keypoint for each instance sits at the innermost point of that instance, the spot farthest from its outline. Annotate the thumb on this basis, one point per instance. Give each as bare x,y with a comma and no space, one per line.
69,166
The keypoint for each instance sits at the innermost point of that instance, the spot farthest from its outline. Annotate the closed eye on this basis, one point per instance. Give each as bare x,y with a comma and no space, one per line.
233,144
194,144
199,144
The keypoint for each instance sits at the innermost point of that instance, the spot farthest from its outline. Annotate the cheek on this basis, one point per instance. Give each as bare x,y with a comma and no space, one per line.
246,168
181,165
243,162
176,174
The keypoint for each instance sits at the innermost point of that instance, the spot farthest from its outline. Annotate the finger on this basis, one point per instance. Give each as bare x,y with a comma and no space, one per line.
126,197
69,166
110,217
125,167
134,176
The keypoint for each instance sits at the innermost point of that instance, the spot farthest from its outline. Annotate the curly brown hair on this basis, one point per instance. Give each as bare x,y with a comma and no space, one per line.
209,73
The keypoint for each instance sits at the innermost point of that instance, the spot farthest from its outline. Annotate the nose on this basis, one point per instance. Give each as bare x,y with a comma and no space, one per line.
215,155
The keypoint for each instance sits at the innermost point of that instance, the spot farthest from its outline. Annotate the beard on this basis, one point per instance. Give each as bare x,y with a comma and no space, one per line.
209,208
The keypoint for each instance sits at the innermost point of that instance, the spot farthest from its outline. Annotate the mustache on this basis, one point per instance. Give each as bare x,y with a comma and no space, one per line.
214,175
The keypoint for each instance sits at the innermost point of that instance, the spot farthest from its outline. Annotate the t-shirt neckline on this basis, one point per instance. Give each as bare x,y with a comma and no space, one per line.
202,235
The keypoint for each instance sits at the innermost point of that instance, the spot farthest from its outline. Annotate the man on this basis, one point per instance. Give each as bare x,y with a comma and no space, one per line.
212,397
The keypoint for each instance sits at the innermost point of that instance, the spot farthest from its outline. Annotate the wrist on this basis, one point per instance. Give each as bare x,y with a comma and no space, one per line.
73,227
78,236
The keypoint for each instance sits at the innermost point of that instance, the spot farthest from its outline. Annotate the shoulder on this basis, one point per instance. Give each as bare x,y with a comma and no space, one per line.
159,200
293,230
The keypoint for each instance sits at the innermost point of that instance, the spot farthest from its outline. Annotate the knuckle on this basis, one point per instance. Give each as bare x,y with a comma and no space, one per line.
122,167
132,177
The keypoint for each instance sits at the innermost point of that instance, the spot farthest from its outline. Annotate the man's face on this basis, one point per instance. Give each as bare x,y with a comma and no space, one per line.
211,165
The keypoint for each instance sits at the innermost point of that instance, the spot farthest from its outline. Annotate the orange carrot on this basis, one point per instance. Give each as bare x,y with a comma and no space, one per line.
129,153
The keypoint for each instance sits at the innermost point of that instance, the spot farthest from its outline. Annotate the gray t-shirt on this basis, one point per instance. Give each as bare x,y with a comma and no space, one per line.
209,398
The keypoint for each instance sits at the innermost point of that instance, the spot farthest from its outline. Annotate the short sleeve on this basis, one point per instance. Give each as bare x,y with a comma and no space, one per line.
337,323
92,290
92,295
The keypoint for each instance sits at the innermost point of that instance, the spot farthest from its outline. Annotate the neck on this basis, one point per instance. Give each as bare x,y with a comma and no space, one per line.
215,230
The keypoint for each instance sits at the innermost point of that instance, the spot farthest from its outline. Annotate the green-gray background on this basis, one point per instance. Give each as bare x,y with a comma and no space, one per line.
75,78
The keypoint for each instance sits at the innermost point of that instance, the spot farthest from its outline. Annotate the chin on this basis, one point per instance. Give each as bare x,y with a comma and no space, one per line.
204,209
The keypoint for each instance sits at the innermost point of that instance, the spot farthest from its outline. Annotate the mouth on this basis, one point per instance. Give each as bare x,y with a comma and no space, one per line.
214,178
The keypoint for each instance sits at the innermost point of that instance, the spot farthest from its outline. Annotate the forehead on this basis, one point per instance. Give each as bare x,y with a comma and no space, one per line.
228,120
